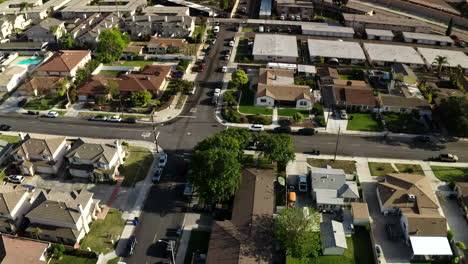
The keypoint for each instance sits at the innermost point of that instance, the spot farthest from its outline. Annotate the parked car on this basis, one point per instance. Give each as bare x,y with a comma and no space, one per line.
226,57
216,29
115,118
33,112
231,43
282,129
162,160
22,102
217,92
202,67
343,114
224,69
52,114
98,118
188,189
130,120
256,128
307,131
302,183
422,139
131,243
448,157
228,52
5,127
15,179
391,232
157,174
378,249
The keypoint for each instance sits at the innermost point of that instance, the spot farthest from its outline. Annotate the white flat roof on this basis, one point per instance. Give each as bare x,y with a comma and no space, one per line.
423,36
265,8
327,28
335,49
275,45
454,57
423,246
392,53
379,32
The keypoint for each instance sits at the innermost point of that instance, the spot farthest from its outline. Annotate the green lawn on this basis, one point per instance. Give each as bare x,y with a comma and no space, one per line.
2,173
136,165
103,231
109,73
91,114
243,53
114,260
246,104
67,259
10,139
61,113
249,29
42,104
450,174
198,243
348,166
404,123
364,122
410,168
291,111
380,169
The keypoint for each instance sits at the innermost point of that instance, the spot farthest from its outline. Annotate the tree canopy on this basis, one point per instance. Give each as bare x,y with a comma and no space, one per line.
112,42
297,231
240,78
454,111
140,98
66,42
278,148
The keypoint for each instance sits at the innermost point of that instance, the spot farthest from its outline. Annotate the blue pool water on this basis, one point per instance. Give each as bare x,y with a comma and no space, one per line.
29,61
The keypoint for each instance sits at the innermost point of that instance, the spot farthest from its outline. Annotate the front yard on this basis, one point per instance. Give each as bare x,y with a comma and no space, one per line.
380,169
347,165
69,259
450,174
136,165
291,111
198,243
126,63
246,104
364,122
404,123
42,103
102,232
409,168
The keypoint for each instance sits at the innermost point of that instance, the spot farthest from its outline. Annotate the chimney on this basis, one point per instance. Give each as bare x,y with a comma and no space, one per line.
112,19
99,31
349,83
133,18
147,78
165,18
106,25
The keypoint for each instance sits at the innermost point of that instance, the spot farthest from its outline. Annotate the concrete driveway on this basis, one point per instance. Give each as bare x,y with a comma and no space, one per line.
335,123
454,216
11,104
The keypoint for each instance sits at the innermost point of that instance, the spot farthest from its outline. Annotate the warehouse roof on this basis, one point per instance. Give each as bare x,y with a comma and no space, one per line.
454,58
335,49
382,19
392,53
275,45
422,36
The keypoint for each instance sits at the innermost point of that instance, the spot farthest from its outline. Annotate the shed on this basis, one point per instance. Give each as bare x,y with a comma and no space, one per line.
360,213
308,70
333,238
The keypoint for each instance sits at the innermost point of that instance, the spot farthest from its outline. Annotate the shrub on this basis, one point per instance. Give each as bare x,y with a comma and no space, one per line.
317,109
450,235
297,117
460,245
456,260
125,144
452,185
320,121
230,99
183,64
232,115
259,119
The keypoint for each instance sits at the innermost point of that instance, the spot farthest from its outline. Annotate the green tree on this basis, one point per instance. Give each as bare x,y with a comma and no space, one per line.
454,112
340,3
219,141
448,32
37,232
239,78
100,99
25,6
297,231
241,134
112,87
63,86
460,245
440,61
54,30
215,174
278,148
66,42
112,42
140,98
297,117
184,86
229,99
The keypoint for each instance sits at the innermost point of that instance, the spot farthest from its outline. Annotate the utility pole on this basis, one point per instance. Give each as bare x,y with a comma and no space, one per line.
337,141
154,132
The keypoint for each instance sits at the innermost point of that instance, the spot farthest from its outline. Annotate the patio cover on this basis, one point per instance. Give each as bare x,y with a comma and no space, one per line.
430,246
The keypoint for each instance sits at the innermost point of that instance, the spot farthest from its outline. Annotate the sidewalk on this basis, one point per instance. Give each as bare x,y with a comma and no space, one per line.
191,222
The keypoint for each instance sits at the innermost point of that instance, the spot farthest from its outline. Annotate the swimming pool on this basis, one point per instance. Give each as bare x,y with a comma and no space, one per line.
30,61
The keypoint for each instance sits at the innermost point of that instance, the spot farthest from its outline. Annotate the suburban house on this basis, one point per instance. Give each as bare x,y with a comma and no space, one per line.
349,94
152,78
462,196
411,197
11,77
38,86
15,203
62,217
95,161
39,155
333,238
331,190
275,48
401,104
247,237
64,63
90,36
15,250
360,213
147,25
165,45
132,50
48,30
327,75
276,88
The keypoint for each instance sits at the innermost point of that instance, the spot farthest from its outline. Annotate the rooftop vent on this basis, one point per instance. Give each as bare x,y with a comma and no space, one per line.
411,197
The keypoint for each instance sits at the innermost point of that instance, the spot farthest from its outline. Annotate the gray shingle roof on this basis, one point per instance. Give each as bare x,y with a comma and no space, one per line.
92,151
323,178
37,146
332,234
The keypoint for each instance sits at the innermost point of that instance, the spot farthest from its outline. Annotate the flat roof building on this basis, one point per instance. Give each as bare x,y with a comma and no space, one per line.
341,50
81,9
280,48
326,30
398,24
265,9
381,55
379,34
454,58
429,39
167,10
38,9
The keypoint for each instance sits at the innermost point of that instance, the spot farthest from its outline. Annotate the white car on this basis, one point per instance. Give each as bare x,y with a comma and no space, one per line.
98,118
256,128
52,114
343,114
216,29
157,175
217,92
115,118
15,179
231,43
226,57
162,160
224,69
302,183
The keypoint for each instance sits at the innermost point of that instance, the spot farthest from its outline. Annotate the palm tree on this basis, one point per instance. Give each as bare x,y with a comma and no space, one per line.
37,232
25,6
440,61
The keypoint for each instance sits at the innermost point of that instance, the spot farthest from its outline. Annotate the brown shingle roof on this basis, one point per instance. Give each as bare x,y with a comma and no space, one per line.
406,102
20,250
268,76
64,60
10,196
354,95
41,83
434,225
360,210
166,42
95,85
327,71
39,146
132,49
285,92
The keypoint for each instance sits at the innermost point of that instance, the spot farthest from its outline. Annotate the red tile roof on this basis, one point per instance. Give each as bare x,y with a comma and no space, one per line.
64,60
20,250
41,83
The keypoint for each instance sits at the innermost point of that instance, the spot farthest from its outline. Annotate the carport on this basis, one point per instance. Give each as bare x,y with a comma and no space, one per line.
430,246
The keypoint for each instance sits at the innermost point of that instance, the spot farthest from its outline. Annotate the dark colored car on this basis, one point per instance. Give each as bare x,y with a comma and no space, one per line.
32,112
391,232
422,139
282,129
131,243
307,131
22,102
5,128
130,120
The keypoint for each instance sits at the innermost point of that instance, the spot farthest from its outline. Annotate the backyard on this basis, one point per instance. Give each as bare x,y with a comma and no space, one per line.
136,165
348,166
102,232
291,111
246,104
404,123
243,53
109,73
450,174
364,122
69,259
198,243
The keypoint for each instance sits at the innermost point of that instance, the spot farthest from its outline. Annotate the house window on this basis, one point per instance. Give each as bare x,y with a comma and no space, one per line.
386,108
101,165
45,157
263,100
365,107
303,103
403,110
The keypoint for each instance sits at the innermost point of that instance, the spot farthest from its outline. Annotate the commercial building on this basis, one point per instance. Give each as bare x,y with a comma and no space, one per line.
338,51
396,24
319,29
454,58
386,55
379,34
429,39
280,48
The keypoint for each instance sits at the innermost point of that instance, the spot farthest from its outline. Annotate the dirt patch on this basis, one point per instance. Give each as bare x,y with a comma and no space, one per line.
285,121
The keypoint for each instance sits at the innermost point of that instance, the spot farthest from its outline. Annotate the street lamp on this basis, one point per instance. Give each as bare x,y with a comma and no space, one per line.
172,248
